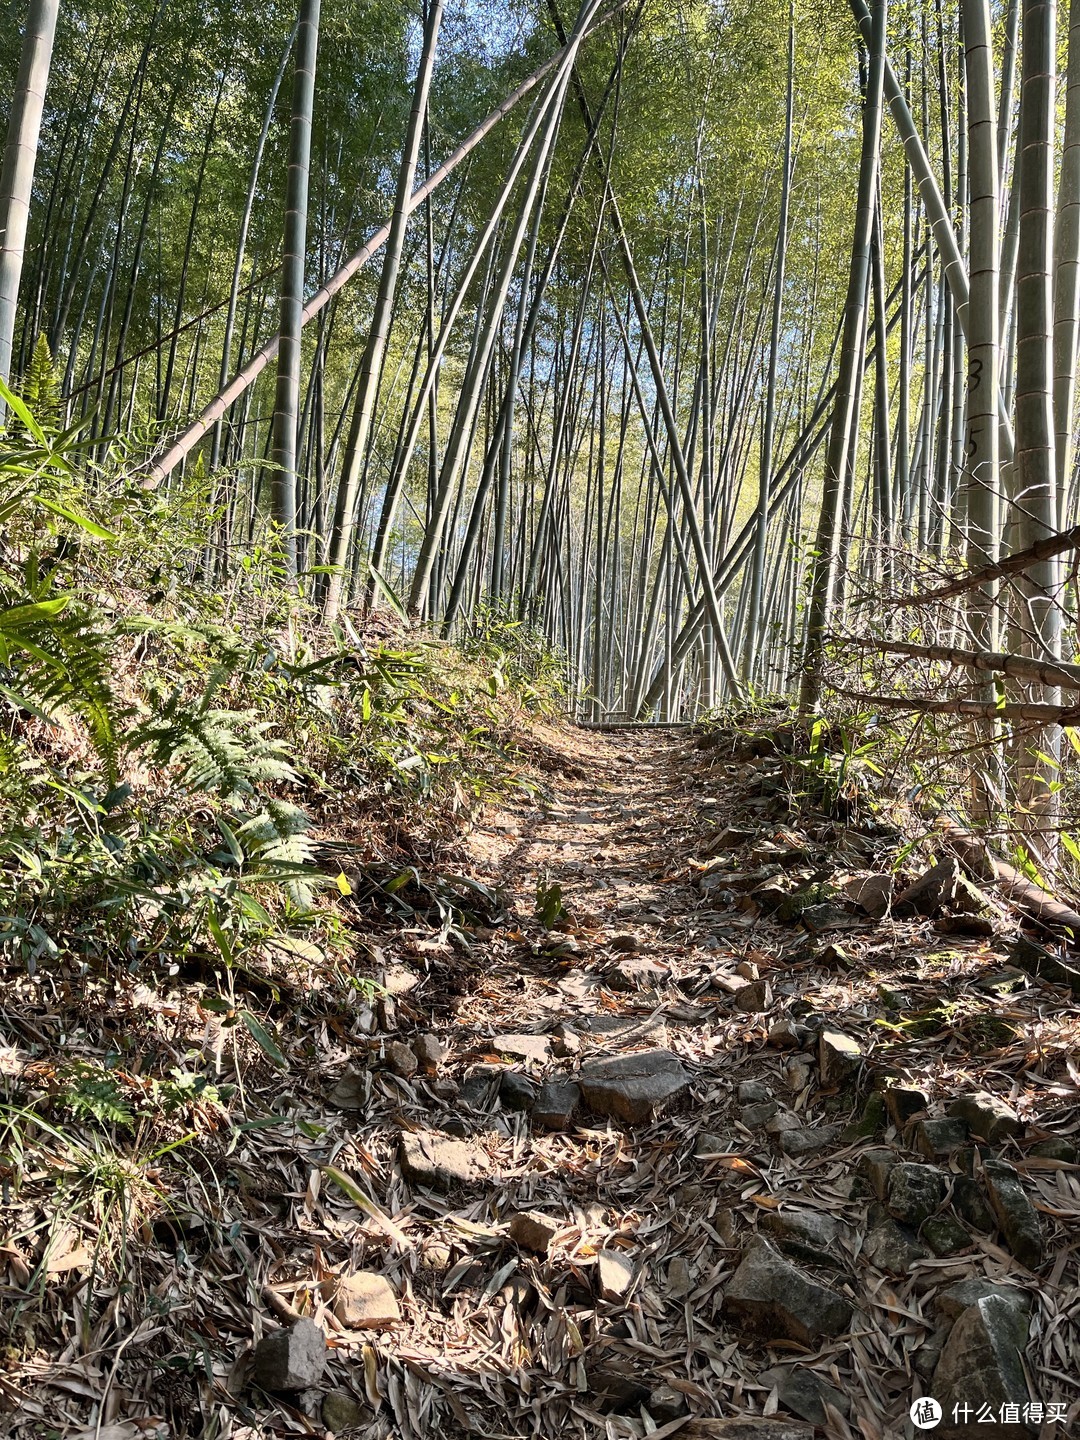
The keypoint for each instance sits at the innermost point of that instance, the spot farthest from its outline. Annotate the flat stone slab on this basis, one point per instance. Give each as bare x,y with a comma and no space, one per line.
776,1299
989,1117
634,1088
535,1049
554,1106
440,1163
809,1139
363,1301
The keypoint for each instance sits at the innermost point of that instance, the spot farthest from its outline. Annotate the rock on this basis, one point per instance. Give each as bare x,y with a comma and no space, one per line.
1014,1212
429,1051
755,1116
439,1163
754,997
839,1057
834,957
554,1106
786,1035
679,1281
616,1390
914,1193
903,1102
478,1089
292,1359
798,1072
926,1356
970,1204
666,1404
876,1166
397,980
747,1427
517,1092
784,1119
1055,1149
809,1139
980,1366
1043,964
803,1393
775,1299
565,1041
749,971
753,1092
952,1303
937,1139
647,1030
616,1272
533,1049
362,1301
869,1123
708,1146
872,893
352,1091
533,1230
893,1247
988,1116
928,895
400,1060
1001,982
624,944
818,919
804,1234
634,1088
975,927
340,1411
944,1234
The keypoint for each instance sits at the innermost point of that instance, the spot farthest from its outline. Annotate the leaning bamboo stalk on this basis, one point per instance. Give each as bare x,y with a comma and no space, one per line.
192,433
1019,667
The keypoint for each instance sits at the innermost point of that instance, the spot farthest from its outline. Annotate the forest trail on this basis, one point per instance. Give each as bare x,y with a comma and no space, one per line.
626,1099
650,1139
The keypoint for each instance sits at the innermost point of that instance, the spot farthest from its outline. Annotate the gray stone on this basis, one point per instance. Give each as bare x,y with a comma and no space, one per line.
944,1234
1014,1212
352,1091
647,1030
746,1427
892,1247
1043,964
970,1204
809,1140
292,1359
937,1139
533,1230
926,1357
776,1299
616,1274
624,944
869,1123
439,1163
914,1193
903,1102
679,1280
755,1116
401,1060
872,893
784,1119
798,1072
707,1146
839,1057
806,1234
532,1049
666,1404
341,1411
634,1088
362,1301
819,919
786,1035
1001,982
554,1106
804,1393
989,1117
754,997
430,1052
952,1303
1055,1149
753,1092
875,1166
478,1089
930,892
980,1365
517,1092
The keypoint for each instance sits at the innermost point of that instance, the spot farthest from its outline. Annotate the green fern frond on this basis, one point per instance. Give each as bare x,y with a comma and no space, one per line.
278,835
223,752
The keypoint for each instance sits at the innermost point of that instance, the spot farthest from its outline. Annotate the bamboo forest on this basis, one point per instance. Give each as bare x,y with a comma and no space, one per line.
539,720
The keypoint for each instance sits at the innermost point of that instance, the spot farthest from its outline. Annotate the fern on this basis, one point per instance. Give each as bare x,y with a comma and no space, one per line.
55,657
278,836
224,752
40,387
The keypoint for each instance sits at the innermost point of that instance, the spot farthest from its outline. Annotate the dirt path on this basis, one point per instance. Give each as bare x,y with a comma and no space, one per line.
616,1159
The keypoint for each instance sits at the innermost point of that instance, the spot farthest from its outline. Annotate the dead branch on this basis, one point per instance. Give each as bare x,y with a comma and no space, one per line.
1011,565
1020,667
